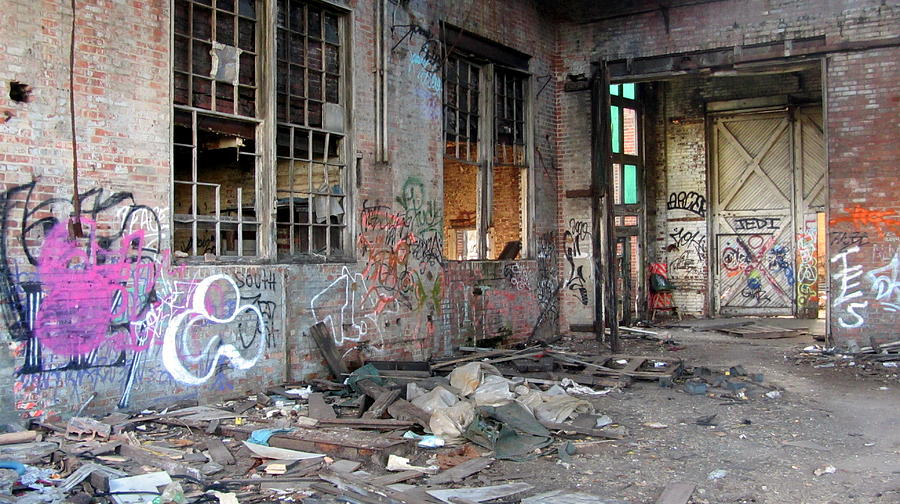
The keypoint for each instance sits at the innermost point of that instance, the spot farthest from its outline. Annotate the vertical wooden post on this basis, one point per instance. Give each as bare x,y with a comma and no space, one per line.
603,236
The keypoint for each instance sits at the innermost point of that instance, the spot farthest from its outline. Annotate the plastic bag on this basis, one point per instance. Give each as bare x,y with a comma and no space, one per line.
450,423
172,493
439,398
467,378
529,398
493,391
559,408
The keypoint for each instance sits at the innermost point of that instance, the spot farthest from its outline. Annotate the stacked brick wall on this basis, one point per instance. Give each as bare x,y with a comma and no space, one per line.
113,319
864,188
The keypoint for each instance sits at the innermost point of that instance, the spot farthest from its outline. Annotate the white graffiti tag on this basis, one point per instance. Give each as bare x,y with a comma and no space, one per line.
346,308
849,289
178,335
886,284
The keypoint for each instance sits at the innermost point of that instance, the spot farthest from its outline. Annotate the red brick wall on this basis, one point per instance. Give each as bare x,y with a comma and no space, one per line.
864,188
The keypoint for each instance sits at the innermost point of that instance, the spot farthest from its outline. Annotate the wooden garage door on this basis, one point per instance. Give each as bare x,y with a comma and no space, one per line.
757,175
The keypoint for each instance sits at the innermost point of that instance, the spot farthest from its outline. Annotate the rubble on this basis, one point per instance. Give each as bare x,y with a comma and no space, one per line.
406,436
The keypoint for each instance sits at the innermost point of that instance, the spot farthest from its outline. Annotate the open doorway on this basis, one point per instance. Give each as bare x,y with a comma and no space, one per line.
736,190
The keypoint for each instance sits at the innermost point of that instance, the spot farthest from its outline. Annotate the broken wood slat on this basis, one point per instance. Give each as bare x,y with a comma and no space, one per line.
344,466
144,457
368,423
241,407
401,409
360,486
219,452
361,446
676,493
380,406
480,494
462,471
318,408
514,357
759,331
572,360
555,377
634,367
18,437
581,430
482,355
321,335
393,478
355,497
468,358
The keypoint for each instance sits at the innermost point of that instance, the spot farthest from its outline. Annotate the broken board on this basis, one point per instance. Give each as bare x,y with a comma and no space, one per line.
760,331
642,368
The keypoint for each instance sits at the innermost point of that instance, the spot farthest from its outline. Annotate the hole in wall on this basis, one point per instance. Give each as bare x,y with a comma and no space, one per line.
19,92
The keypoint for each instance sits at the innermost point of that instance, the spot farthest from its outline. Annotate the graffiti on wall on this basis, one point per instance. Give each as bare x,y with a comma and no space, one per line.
842,240
690,245
757,263
548,282
860,292
578,244
403,249
98,309
863,219
807,270
517,276
691,201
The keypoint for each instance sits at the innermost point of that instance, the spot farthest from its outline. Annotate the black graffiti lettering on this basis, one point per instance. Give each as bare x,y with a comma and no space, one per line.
845,240
691,201
754,223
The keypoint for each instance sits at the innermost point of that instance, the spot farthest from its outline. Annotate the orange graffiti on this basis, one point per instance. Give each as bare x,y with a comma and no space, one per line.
865,219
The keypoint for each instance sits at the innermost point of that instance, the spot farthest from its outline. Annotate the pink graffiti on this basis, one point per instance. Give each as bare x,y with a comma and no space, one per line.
89,289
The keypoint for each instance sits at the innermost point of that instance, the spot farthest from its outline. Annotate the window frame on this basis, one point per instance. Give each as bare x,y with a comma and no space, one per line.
265,139
486,144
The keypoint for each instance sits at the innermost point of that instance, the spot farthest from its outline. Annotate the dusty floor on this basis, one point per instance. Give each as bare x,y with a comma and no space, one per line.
851,419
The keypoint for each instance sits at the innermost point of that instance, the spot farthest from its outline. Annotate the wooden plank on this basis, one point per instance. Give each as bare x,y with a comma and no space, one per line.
600,433
328,489
480,494
213,426
144,457
678,492
325,342
219,452
318,408
368,423
462,471
393,478
401,409
363,487
380,406
760,331
18,437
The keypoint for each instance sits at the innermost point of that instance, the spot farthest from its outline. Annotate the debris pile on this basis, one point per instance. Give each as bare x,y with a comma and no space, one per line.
734,383
872,359
388,432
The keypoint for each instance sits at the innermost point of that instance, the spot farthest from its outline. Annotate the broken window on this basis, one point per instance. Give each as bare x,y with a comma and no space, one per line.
625,144
216,152
627,158
311,172
485,159
220,207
